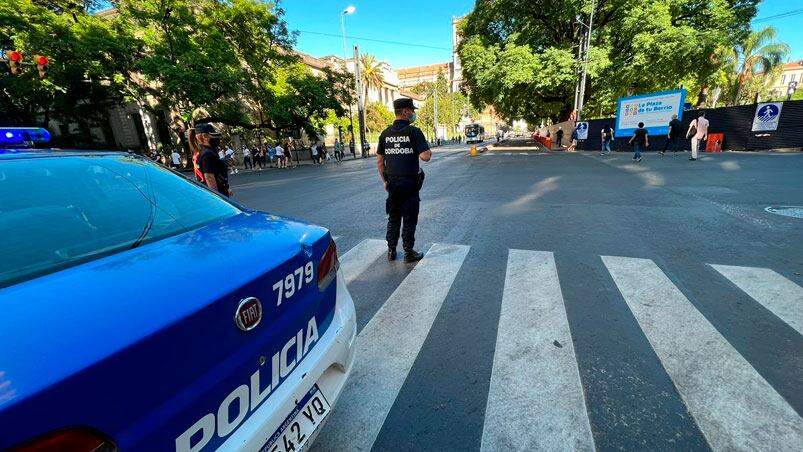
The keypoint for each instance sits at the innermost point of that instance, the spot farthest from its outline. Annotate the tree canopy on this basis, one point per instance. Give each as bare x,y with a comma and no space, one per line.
452,107
228,61
521,56
89,60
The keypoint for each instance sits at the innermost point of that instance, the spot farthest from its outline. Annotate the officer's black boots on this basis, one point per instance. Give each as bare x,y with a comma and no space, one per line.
413,256
391,254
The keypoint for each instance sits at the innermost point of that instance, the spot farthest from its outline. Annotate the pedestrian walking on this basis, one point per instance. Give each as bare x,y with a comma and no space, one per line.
697,133
673,136
315,156
399,150
175,159
607,136
271,155
640,142
230,161
351,149
338,151
573,144
215,171
288,154
280,162
247,158
559,137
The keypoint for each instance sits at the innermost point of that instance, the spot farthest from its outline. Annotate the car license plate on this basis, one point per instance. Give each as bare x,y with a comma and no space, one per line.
299,425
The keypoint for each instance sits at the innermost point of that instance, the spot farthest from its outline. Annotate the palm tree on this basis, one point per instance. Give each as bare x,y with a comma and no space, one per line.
372,73
758,54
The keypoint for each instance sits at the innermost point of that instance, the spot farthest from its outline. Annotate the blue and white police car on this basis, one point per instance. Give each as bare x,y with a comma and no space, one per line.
140,311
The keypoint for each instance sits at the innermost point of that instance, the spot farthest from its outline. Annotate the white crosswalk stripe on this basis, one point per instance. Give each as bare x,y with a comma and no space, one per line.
531,374
358,259
776,293
536,397
734,406
386,350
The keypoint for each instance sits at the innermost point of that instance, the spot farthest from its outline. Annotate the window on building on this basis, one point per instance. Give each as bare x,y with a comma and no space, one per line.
783,79
794,77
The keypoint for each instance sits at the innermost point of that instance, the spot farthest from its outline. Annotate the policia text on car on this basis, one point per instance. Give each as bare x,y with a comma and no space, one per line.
400,147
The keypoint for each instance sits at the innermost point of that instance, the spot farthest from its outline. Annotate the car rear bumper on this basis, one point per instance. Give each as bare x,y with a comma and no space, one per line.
328,365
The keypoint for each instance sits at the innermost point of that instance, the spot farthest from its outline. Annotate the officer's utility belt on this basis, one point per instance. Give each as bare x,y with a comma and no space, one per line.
419,178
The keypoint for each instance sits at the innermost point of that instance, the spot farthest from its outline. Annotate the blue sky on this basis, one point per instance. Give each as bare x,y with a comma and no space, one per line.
426,22
429,22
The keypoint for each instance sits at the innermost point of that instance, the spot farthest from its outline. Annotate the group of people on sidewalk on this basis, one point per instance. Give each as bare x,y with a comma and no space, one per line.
269,156
320,153
697,133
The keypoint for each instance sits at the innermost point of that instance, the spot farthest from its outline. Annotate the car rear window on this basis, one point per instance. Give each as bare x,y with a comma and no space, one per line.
56,212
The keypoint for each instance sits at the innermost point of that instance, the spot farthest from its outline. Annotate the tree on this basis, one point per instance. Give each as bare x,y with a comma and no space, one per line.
186,63
230,62
452,107
377,117
753,62
521,56
371,73
89,60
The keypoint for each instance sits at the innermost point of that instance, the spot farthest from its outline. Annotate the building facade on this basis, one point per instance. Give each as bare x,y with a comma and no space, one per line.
791,72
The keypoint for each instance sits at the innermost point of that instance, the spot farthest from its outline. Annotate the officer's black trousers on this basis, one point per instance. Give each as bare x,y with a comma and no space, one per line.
402,207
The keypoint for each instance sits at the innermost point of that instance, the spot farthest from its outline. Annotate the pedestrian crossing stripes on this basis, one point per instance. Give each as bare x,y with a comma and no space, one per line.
731,402
536,398
776,293
534,369
386,349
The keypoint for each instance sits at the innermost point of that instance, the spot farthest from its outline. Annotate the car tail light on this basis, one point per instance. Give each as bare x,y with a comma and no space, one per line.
327,268
72,440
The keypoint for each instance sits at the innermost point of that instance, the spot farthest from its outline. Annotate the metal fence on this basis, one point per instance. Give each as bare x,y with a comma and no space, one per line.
734,122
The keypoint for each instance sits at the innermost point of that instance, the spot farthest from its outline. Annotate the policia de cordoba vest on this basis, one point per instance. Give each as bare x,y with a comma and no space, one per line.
401,153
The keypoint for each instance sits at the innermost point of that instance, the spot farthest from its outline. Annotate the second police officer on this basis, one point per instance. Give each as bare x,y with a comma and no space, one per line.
400,147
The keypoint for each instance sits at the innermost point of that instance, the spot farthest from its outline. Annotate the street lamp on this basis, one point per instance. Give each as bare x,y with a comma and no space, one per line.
582,89
349,10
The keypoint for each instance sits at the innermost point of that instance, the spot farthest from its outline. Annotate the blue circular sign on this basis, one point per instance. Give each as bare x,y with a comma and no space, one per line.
768,112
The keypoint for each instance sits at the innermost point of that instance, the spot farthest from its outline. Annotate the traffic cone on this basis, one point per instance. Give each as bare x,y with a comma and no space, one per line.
473,152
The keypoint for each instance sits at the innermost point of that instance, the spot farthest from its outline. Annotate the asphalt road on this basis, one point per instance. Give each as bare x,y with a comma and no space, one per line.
568,301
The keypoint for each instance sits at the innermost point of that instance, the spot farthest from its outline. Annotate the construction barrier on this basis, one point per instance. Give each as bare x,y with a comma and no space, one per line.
714,143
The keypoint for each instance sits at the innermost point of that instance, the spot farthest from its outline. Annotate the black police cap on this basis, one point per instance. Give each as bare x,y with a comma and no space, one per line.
403,102
205,127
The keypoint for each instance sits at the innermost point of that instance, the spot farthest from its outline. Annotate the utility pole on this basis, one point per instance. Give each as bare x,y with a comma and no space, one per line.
585,66
360,99
343,15
435,108
578,72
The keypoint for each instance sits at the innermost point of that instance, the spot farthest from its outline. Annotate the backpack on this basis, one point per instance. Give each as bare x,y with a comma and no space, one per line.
692,130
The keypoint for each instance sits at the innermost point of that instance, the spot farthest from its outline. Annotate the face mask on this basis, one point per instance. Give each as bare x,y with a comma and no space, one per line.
214,142
412,118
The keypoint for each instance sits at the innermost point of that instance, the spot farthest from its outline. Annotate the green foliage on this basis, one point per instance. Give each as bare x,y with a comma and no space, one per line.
186,61
89,58
452,107
371,73
229,61
521,56
753,64
377,117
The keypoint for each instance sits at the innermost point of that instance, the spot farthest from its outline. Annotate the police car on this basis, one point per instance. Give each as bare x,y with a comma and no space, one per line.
140,311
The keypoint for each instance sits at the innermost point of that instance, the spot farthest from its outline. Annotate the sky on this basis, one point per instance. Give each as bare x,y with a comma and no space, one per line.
424,22
429,23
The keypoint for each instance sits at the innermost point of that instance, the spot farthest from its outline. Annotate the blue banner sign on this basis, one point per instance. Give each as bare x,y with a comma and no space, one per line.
654,110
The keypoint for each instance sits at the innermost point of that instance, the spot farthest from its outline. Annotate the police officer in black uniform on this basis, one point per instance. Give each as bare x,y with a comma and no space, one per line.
400,147
215,170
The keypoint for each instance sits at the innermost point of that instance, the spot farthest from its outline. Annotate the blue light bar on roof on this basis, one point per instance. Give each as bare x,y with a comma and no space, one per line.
23,135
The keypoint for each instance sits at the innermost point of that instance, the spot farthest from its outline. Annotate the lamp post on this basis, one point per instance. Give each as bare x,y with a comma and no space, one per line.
581,96
349,10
